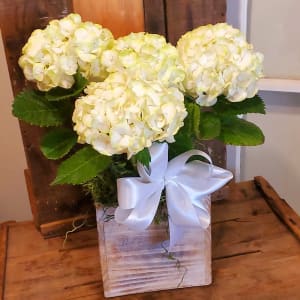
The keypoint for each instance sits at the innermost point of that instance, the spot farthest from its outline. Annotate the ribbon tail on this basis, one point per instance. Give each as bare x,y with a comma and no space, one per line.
176,234
184,215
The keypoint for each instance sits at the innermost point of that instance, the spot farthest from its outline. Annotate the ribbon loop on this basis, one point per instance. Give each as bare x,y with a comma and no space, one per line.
188,186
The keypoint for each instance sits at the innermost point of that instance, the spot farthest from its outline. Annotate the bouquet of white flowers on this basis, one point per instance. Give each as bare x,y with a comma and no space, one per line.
119,96
137,106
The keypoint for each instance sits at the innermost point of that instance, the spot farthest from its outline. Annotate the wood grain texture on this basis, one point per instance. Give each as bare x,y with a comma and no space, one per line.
255,257
185,15
216,150
155,17
136,262
18,19
61,227
49,203
120,16
279,206
31,196
3,251
3,254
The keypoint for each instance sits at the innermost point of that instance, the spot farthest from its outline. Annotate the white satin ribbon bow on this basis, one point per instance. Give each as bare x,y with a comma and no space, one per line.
188,186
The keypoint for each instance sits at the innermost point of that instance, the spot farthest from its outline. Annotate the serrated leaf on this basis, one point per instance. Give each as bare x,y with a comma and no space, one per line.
210,125
81,167
144,157
239,132
58,142
58,93
33,108
249,105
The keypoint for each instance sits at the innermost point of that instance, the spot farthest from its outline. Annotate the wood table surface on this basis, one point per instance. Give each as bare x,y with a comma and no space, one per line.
255,255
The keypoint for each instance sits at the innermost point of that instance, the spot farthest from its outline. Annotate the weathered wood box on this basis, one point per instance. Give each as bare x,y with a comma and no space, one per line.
135,262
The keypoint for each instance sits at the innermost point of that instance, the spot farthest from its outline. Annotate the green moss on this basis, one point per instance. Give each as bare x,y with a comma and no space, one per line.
103,187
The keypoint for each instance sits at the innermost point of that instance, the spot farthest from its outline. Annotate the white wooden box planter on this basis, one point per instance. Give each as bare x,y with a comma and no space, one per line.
135,262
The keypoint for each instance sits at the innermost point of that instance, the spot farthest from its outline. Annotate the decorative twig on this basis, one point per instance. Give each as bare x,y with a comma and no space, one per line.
106,217
75,228
177,264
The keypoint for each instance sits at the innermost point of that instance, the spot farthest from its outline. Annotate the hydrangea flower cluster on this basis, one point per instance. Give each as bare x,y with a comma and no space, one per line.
137,83
89,42
124,114
218,60
121,95
51,56
139,103
146,56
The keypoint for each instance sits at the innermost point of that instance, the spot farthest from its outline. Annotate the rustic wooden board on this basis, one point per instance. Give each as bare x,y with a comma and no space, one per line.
279,206
121,17
182,15
174,18
255,256
18,19
3,256
155,17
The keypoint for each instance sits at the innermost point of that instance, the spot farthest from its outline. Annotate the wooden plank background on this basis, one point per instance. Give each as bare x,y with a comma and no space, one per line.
182,15
120,16
18,18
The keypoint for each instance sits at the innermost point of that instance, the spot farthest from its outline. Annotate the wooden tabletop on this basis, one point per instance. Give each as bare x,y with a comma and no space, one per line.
255,255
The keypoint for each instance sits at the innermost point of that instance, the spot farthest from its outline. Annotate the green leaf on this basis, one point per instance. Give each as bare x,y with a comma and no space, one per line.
196,120
33,108
239,132
58,93
82,166
249,105
192,120
144,157
58,142
186,134
188,121
210,125
183,143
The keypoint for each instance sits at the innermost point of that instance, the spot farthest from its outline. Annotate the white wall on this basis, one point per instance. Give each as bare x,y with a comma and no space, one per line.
278,160
14,203
273,29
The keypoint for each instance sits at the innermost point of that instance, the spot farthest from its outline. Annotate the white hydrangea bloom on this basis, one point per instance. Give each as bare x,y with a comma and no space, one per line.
89,42
218,60
146,56
51,56
47,58
125,115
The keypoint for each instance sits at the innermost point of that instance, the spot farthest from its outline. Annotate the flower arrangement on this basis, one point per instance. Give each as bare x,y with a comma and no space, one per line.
105,101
